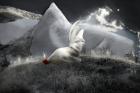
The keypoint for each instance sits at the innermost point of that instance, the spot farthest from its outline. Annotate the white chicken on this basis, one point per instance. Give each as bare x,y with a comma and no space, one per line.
72,52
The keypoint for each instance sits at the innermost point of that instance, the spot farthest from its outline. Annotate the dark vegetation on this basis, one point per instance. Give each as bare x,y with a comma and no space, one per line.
92,75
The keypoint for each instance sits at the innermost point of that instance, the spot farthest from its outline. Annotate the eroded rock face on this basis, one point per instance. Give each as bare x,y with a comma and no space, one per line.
15,37
90,76
18,48
14,23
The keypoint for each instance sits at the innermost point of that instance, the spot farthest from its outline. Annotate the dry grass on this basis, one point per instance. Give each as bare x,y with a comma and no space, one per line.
92,75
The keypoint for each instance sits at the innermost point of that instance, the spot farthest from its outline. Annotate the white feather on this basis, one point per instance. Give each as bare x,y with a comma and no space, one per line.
70,53
78,42
74,31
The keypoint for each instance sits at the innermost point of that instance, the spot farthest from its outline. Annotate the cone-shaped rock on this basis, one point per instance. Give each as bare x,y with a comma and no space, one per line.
51,32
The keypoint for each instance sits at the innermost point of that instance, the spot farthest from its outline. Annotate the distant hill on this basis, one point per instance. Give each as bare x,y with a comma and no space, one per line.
8,13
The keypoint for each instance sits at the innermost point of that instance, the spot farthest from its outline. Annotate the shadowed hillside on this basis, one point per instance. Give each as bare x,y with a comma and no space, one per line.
90,76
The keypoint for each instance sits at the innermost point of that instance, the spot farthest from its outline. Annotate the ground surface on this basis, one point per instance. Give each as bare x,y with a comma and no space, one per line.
90,76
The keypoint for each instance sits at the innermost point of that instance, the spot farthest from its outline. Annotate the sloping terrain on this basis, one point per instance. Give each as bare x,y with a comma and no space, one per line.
90,76
15,49
13,30
8,14
15,37
14,23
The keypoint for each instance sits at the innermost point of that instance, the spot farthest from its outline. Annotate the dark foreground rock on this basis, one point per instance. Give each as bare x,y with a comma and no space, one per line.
94,76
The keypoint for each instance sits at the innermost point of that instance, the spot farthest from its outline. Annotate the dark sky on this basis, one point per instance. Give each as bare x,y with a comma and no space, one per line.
73,9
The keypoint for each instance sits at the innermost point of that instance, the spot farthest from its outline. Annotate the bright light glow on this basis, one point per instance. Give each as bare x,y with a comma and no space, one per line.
99,17
118,10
